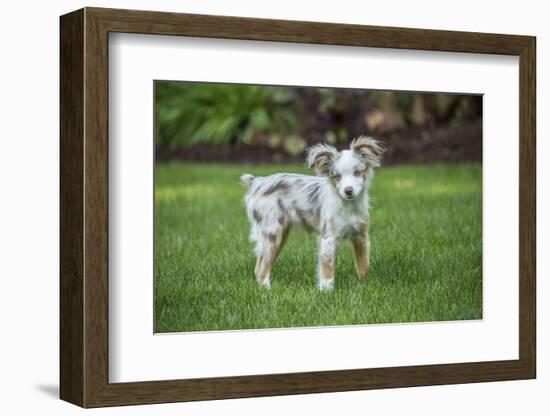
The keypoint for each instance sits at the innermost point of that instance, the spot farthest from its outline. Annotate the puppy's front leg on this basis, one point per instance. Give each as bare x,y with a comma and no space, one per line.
327,252
361,246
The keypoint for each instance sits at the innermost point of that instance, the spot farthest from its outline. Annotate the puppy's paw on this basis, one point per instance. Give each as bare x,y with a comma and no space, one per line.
266,283
363,275
326,284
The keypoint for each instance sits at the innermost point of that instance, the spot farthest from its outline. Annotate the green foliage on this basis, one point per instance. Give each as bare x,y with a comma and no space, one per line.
189,113
290,118
425,261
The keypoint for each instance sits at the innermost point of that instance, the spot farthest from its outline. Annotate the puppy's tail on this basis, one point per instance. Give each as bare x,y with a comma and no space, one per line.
247,179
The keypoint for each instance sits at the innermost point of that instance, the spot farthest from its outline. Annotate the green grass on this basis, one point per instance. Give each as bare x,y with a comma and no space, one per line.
426,254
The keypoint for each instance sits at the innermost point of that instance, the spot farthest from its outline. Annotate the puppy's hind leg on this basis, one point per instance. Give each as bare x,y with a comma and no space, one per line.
271,246
263,271
258,263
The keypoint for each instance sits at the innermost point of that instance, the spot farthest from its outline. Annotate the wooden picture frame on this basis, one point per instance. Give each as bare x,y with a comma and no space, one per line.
84,207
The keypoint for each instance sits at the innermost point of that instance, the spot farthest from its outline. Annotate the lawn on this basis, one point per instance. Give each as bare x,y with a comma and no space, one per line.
426,253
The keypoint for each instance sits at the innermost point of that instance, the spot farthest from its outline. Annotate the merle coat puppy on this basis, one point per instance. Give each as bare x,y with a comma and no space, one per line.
335,204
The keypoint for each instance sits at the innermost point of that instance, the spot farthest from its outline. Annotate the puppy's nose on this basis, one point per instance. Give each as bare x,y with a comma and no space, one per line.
348,191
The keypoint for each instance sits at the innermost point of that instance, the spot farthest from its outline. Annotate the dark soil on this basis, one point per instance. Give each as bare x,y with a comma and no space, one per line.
437,144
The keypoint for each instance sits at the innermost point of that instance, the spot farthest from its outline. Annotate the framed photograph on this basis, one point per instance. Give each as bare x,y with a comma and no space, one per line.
255,207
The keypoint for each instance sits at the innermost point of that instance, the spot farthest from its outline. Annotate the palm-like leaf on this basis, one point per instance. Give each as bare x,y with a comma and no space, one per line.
189,113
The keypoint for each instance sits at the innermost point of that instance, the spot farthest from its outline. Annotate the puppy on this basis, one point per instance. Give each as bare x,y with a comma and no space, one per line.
335,204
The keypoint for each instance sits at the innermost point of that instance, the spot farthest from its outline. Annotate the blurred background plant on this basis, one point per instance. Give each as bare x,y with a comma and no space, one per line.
189,113
255,123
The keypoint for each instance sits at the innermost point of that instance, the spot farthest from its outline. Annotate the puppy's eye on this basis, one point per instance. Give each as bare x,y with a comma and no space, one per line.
357,172
337,177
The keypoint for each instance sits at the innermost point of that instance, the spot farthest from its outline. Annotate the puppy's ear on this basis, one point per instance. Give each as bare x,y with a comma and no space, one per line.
321,156
369,149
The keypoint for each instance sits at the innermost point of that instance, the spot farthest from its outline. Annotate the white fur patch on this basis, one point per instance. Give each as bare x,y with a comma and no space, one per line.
326,284
266,282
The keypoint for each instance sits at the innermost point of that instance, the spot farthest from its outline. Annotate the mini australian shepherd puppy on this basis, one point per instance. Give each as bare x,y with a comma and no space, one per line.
335,204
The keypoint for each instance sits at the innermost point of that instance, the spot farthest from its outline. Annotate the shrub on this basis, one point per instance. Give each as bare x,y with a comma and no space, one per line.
190,113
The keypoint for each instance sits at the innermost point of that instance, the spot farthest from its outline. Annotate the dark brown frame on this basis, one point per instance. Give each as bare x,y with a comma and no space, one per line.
84,208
